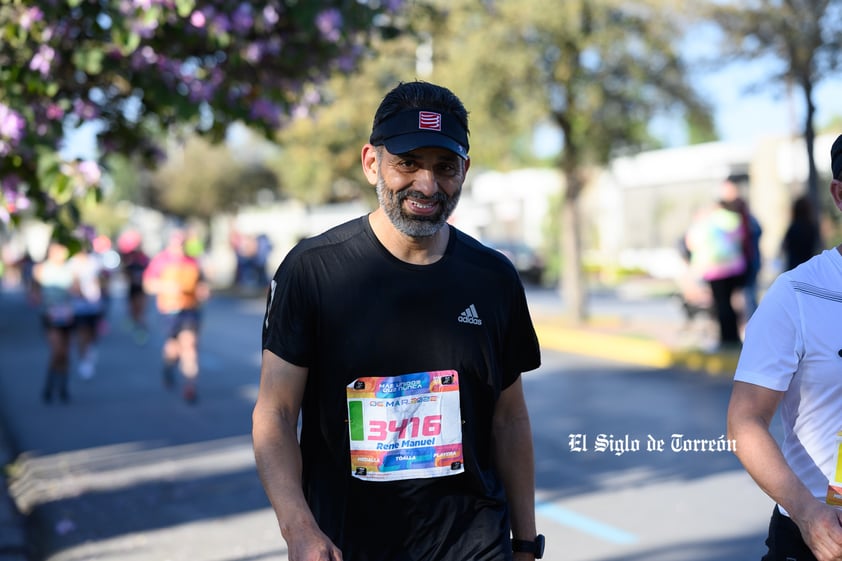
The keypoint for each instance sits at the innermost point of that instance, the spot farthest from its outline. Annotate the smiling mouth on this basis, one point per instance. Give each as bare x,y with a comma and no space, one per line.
422,205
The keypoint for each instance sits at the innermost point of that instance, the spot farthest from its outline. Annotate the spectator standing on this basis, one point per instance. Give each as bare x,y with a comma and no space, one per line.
717,242
177,282
752,231
802,238
790,364
398,307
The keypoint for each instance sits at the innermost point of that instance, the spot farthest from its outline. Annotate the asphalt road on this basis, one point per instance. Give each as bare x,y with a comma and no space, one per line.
128,471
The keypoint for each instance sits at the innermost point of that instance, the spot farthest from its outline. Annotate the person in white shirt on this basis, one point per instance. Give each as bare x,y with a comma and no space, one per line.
791,363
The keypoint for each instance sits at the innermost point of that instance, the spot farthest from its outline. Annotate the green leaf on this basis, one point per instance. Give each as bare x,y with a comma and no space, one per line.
89,61
93,196
61,189
185,7
126,42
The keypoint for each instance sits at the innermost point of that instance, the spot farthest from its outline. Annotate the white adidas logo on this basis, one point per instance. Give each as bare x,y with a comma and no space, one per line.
470,316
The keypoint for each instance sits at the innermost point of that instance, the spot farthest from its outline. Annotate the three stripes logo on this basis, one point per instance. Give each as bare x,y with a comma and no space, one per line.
470,315
427,120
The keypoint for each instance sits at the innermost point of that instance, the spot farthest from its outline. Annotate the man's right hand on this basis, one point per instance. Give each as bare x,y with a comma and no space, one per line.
311,544
821,528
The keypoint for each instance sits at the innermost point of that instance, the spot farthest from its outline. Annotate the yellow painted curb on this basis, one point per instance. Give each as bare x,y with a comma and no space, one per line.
629,349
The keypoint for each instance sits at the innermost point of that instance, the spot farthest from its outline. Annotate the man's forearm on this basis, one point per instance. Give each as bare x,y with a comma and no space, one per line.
515,461
762,458
278,459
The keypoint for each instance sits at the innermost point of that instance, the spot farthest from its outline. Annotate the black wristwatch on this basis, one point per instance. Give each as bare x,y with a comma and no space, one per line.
535,547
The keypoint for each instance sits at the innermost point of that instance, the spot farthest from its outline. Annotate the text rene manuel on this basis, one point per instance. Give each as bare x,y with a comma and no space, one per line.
619,445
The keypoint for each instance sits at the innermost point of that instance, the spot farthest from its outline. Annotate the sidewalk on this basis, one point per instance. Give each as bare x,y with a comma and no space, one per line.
638,325
630,328
13,544
643,342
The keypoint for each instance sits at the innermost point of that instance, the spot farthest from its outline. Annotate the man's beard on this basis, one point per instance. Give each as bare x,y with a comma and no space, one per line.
409,224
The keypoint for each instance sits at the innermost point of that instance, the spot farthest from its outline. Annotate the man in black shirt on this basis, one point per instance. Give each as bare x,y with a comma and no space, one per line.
400,341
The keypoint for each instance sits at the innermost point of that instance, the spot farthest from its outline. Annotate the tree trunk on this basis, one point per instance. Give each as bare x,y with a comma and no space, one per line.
809,140
572,287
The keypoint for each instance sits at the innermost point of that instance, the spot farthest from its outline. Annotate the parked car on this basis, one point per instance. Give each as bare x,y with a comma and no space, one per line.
526,260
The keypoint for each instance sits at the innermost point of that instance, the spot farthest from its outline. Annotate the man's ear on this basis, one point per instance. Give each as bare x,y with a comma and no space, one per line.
836,192
368,158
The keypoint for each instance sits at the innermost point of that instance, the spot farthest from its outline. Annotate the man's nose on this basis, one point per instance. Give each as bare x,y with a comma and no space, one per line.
425,182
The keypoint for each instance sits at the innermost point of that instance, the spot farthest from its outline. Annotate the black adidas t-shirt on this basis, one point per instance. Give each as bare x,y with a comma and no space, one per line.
345,308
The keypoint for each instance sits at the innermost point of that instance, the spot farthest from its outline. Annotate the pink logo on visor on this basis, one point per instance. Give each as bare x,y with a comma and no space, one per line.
427,120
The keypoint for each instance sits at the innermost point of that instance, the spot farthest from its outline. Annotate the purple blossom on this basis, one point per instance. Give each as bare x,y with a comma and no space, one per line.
270,15
394,6
42,60
347,62
198,19
253,52
12,126
145,29
221,24
144,5
22,202
266,111
10,185
273,46
199,90
54,112
143,57
329,23
30,16
90,172
11,196
148,55
242,20
84,175
85,110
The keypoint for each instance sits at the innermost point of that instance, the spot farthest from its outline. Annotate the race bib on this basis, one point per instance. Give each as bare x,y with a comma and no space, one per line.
834,487
405,427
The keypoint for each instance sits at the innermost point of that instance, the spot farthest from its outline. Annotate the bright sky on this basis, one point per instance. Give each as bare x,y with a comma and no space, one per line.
743,116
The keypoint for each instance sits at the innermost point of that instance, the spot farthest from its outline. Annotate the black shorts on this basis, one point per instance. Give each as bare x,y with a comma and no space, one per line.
63,326
185,320
59,317
136,290
87,321
785,542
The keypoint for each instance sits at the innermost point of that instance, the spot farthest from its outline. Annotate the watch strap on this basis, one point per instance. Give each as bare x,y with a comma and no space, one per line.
523,546
535,547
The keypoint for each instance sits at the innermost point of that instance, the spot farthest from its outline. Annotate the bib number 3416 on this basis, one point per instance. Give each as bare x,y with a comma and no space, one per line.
412,427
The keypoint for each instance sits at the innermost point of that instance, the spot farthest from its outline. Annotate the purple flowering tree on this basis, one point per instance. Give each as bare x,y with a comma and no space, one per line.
138,68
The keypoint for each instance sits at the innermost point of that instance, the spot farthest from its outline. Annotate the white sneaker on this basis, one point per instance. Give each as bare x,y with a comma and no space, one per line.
86,369
87,364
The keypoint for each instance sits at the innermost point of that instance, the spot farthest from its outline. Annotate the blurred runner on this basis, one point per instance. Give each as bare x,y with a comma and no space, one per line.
176,280
134,261
53,283
89,299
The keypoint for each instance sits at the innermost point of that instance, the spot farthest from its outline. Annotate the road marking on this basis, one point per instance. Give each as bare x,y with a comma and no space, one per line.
588,525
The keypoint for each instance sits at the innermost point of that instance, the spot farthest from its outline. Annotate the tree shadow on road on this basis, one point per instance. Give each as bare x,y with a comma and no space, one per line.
571,411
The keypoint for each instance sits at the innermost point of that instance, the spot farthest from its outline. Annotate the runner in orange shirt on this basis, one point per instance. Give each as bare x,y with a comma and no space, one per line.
177,282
